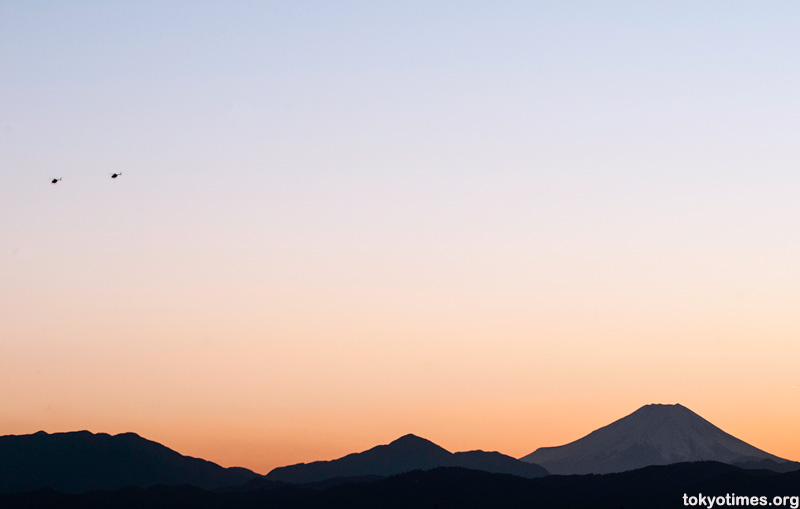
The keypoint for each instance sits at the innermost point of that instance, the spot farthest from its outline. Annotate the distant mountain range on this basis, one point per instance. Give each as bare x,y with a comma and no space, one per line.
82,461
405,454
653,435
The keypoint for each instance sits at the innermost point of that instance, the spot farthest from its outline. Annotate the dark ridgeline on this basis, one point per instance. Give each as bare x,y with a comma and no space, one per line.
82,461
405,454
768,464
657,487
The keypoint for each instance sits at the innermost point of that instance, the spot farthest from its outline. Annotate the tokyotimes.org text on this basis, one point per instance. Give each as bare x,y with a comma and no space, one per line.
733,500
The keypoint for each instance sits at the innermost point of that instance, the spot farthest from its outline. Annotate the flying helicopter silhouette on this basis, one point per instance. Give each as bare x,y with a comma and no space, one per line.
115,175
54,181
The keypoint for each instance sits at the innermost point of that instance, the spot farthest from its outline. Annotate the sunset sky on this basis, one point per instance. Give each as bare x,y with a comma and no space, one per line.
496,225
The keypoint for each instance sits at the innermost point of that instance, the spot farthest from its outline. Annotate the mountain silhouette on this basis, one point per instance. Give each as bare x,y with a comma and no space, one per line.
657,487
768,464
82,461
405,454
652,435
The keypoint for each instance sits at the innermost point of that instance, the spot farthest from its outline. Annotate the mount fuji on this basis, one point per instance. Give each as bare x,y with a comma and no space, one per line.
653,435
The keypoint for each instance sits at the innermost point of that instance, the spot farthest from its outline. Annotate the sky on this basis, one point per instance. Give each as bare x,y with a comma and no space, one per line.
496,225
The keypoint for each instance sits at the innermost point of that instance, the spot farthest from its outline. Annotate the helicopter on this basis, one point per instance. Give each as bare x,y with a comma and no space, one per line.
54,181
115,175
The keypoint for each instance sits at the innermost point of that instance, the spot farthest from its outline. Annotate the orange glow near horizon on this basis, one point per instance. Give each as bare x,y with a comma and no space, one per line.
513,427
243,375
496,427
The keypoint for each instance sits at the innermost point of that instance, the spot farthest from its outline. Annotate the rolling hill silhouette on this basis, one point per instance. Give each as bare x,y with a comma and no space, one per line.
652,435
82,461
405,454
658,487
